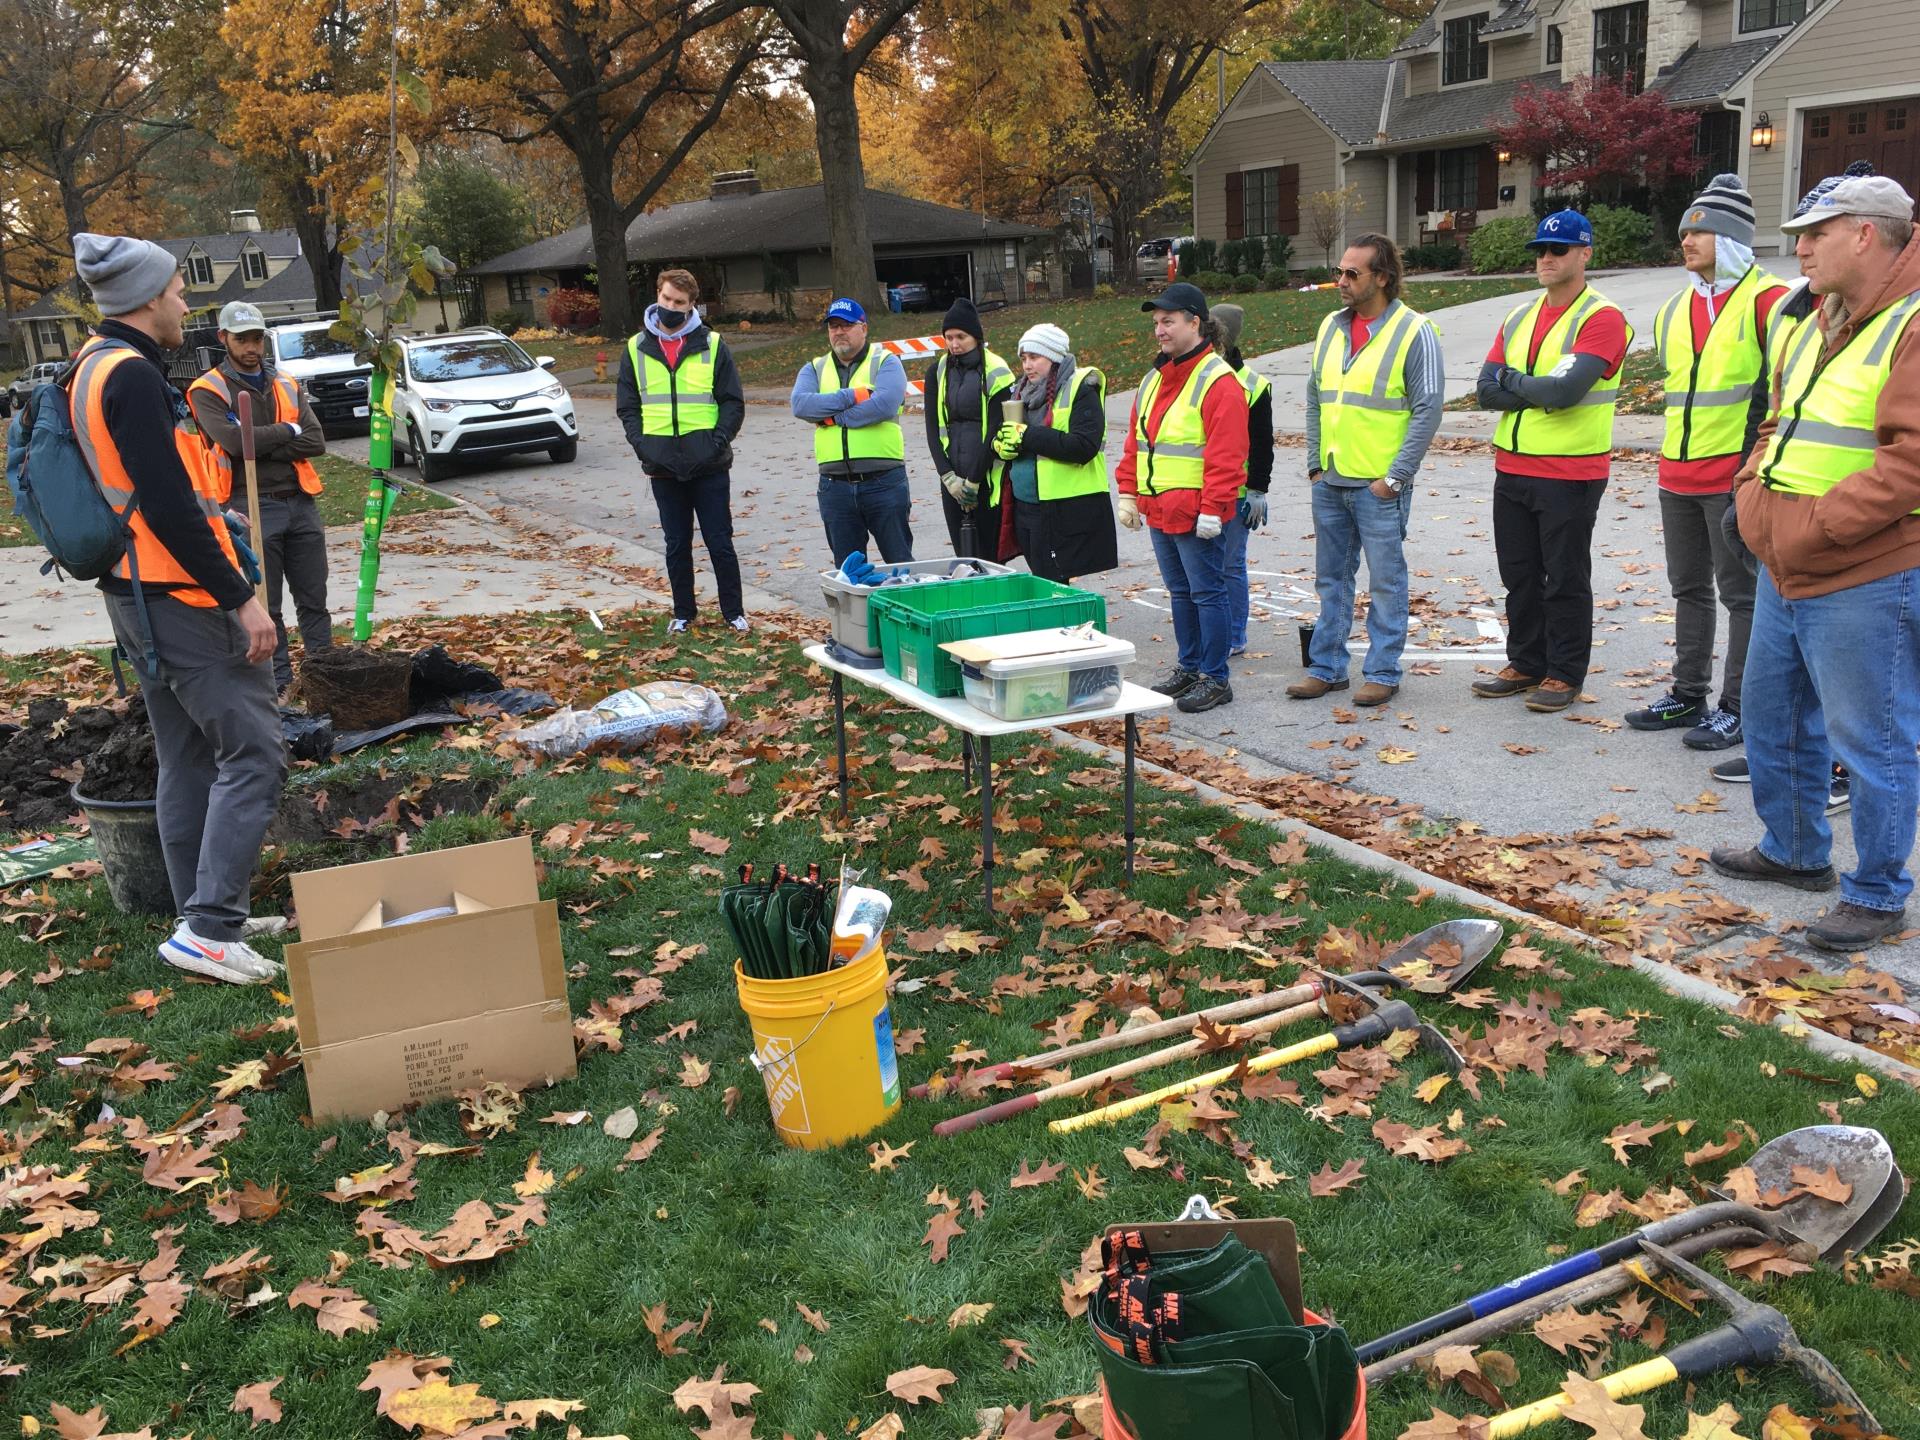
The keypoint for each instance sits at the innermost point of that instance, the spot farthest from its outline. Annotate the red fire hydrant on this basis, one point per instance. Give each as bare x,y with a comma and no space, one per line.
600,365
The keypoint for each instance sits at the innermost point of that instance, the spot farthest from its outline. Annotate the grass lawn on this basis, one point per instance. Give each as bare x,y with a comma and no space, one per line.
1112,334
653,1270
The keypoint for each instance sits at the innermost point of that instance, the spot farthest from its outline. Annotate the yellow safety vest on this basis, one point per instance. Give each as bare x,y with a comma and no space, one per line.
1176,458
1364,410
996,375
839,444
1708,392
1255,386
1825,428
286,411
1780,332
1059,480
675,400
1583,429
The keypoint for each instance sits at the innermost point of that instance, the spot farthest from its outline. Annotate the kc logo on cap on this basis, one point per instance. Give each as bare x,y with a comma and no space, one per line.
1553,223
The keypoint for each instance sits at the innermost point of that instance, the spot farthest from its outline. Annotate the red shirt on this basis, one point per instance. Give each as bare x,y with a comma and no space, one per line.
1714,474
1223,413
670,348
1362,328
1603,333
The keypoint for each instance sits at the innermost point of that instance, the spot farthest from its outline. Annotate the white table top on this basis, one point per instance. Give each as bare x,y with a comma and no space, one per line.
959,713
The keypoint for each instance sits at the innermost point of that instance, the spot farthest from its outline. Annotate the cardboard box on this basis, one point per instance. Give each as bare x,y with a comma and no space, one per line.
392,1014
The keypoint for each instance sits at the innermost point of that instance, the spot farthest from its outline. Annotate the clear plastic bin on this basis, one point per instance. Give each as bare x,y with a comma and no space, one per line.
847,602
1035,686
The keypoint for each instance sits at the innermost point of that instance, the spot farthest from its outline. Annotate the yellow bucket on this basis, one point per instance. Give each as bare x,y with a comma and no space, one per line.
823,1045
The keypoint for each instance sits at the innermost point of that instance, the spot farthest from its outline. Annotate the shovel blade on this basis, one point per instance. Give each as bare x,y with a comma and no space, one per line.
1442,956
1860,1156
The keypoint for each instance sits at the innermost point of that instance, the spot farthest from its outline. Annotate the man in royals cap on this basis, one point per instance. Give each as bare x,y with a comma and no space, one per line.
852,397
1553,372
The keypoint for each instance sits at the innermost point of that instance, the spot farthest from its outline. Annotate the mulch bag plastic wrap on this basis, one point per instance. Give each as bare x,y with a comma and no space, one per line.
1200,1341
629,720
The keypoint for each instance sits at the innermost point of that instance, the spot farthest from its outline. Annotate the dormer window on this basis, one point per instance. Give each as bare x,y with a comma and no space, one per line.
1463,55
1771,14
253,265
199,271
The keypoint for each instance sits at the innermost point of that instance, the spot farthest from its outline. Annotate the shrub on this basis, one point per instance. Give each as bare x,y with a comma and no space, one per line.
509,320
1103,292
1197,257
1246,284
1279,251
1277,278
1442,256
1620,236
1213,281
1243,257
1315,275
573,309
1501,245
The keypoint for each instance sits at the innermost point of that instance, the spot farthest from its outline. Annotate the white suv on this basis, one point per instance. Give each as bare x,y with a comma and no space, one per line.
475,393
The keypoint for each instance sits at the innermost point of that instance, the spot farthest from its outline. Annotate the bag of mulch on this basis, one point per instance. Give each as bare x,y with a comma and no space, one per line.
628,720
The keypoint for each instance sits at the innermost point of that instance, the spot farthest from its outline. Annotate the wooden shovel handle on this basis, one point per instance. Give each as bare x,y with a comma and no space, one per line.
990,1115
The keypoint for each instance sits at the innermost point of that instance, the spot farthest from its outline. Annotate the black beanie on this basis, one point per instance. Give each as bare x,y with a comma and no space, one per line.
962,316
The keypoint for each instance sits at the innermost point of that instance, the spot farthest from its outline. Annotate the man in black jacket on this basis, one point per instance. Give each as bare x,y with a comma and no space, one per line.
678,395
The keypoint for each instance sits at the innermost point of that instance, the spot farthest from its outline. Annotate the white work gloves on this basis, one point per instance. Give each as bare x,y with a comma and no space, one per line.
1129,512
1208,527
964,492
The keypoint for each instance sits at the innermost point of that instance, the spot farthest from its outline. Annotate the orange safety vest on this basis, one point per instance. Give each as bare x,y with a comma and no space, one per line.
286,411
157,565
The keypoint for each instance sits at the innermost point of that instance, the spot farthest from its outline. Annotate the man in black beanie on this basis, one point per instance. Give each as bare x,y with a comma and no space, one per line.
964,389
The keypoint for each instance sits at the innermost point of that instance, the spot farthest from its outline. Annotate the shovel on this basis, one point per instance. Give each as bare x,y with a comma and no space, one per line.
1755,1335
1475,938
1860,1156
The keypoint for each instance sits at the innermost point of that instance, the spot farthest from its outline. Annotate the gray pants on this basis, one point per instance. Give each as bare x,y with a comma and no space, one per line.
293,550
222,758
1698,559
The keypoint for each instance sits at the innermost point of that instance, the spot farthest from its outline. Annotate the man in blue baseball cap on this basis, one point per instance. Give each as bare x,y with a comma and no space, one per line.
852,396
1553,372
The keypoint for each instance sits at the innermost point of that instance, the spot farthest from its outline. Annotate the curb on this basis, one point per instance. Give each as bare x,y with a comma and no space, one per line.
1674,982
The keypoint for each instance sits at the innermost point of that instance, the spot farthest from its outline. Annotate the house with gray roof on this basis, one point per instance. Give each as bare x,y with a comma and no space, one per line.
1784,91
762,248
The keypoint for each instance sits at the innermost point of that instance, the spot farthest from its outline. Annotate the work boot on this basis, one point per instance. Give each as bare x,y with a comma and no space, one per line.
1205,693
1849,927
1176,682
1719,729
1669,712
1732,772
1750,864
1374,693
1313,687
1508,682
1551,695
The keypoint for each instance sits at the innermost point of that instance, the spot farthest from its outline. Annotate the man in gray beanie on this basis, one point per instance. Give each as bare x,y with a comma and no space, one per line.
181,608
1712,342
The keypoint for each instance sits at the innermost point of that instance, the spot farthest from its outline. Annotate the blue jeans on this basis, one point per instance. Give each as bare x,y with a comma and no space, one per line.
878,505
1833,678
1350,521
1195,574
1234,537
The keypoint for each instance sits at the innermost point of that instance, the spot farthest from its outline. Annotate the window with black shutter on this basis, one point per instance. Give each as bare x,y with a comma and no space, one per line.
1463,56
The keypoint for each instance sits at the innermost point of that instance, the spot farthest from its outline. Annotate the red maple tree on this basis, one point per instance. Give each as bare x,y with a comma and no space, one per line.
1598,137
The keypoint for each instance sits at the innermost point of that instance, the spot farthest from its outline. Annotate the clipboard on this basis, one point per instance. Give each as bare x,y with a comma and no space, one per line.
1274,1238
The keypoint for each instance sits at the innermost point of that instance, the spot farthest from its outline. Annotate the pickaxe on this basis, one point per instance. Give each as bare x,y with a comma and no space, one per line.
1756,1335
1385,1017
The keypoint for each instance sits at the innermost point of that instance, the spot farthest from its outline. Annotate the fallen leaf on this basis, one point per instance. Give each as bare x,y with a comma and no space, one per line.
1626,1137
621,1123
922,1382
401,1371
1782,1424
1027,1179
1722,1424
1326,1180
257,1400
1822,1185
885,1157
538,1181
1017,1354
708,844
813,1317
941,1232
694,1072
1568,1329
714,1397
532,1412
969,1314
438,1408
1428,1090
1593,1407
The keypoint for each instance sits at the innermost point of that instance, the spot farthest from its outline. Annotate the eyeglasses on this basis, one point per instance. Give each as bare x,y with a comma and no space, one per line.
1353,275
1554,249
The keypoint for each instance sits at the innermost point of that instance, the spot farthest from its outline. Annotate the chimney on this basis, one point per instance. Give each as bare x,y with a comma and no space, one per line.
729,184
243,222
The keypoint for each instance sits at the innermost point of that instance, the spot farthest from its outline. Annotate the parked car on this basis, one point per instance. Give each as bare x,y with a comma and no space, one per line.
909,295
22,385
474,394
335,382
1150,260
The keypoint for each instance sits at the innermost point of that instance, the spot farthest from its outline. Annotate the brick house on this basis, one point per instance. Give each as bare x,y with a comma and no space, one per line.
1785,91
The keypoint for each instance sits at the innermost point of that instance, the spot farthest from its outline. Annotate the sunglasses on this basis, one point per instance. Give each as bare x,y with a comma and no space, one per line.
1554,249
1350,275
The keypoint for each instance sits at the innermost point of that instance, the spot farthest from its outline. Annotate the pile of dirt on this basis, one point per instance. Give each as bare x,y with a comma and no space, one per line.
353,809
126,767
40,761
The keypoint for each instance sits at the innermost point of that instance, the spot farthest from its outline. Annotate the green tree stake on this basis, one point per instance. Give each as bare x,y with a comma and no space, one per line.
382,491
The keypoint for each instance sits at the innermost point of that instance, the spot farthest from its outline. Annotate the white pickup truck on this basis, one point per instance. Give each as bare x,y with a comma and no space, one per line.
335,382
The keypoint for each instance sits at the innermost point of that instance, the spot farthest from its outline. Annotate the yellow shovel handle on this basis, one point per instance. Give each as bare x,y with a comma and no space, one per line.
1634,1380
1133,1105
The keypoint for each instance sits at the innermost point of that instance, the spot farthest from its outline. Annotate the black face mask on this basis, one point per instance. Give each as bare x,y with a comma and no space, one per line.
670,319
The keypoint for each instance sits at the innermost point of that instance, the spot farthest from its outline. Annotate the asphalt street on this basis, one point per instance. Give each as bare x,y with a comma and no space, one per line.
1488,763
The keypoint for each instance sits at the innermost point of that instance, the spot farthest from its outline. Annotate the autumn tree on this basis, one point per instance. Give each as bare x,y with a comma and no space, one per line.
831,42
1327,214
629,87
1598,138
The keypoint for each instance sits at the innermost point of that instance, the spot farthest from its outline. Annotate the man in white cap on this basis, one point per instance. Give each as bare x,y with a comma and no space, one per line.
288,534
182,610
1830,503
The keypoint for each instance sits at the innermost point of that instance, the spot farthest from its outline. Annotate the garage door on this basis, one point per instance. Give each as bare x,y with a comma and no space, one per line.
1883,132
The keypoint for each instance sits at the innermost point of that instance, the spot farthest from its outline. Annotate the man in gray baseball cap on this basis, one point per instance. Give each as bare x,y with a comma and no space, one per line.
288,533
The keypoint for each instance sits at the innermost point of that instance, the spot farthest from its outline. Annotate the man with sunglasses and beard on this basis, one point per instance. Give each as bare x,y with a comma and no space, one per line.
1554,372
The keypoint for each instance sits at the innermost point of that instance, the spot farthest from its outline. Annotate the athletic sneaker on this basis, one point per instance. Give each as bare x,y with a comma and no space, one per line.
1176,682
1719,729
739,624
234,961
1732,772
1205,693
677,626
1669,712
1839,790
1237,652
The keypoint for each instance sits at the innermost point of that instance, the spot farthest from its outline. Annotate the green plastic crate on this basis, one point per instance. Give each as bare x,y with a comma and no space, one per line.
917,620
